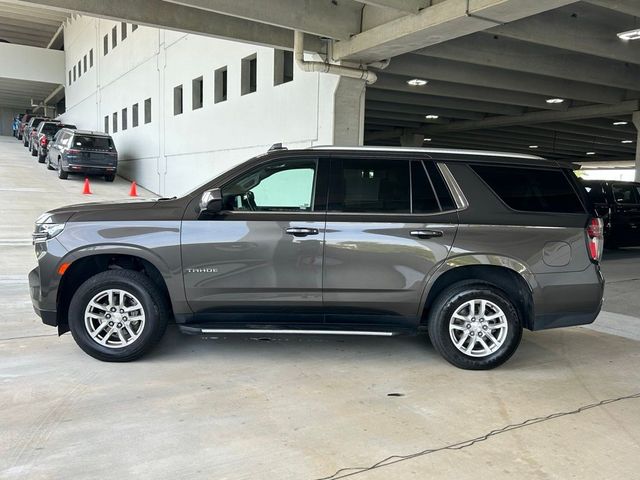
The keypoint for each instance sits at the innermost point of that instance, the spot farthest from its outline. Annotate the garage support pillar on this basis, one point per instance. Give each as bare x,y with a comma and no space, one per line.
408,139
636,122
348,112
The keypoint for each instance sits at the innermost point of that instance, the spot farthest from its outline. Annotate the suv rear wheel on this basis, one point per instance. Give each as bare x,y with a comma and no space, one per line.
118,315
62,175
474,326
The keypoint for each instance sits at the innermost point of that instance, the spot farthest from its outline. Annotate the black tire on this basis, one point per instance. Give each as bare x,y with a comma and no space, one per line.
62,175
41,158
34,152
449,301
153,302
48,163
109,178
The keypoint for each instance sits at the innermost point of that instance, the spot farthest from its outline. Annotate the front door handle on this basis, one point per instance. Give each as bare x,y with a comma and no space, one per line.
301,231
426,233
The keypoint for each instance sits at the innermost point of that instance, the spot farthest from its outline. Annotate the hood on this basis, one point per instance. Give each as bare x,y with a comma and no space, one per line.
134,209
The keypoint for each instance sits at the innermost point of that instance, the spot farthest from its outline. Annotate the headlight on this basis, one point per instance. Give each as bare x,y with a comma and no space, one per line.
46,229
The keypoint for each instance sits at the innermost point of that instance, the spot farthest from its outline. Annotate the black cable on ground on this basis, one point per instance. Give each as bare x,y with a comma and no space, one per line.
352,471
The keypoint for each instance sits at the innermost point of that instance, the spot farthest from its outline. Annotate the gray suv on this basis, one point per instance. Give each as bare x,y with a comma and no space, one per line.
469,246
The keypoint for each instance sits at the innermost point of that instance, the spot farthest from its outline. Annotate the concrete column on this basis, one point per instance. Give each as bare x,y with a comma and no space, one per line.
408,139
636,122
348,111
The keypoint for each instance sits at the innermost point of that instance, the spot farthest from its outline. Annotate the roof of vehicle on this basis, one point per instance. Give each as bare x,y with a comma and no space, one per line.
92,133
450,154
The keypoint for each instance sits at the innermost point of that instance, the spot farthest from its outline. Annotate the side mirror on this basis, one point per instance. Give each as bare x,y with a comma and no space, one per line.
211,201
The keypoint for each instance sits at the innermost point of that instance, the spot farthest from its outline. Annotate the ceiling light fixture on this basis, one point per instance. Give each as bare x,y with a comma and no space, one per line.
533,146
417,82
626,141
620,123
630,35
591,153
555,100
431,117
427,139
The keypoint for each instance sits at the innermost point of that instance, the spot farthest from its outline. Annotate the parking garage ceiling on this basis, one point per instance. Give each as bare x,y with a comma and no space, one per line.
27,24
550,77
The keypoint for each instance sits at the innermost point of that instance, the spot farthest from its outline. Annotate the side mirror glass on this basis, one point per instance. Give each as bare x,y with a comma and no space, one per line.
211,201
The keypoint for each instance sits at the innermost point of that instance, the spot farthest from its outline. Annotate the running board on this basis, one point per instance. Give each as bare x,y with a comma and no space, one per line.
258,331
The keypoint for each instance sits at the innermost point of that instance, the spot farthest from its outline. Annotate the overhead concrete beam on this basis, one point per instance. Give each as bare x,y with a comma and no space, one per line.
435,24
388,81
629,7
44,65
419,110
407,6
583,28
444,102
482,76
170,16
575,113
506,53
328,19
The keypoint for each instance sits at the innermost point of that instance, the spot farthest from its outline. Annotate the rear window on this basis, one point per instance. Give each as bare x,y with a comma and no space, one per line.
532,189
50,128
93,143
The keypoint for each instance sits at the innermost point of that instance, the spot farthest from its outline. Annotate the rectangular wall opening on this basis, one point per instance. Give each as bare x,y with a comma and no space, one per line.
249,74
114,37
147,110
106,124
105,44
134,115
115,122
220,85
124,119
177,100
91,58
123,30
282,66
84,64
197,93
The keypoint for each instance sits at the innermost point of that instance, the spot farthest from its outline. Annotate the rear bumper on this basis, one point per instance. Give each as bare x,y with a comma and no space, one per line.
91,169
568,299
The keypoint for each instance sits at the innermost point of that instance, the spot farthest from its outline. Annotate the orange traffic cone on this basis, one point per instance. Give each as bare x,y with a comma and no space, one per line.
86,190
134,189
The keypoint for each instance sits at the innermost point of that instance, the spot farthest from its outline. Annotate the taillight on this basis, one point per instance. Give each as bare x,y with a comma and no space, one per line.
595,238
44,141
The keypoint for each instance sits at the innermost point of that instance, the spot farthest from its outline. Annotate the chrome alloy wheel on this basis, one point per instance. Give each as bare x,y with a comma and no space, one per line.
478,328
114,318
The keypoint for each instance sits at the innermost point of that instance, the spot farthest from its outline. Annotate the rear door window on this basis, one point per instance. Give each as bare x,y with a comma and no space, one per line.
370,186
531,189
595,191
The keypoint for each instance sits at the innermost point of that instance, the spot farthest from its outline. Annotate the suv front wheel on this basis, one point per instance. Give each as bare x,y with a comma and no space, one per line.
118,315
474,326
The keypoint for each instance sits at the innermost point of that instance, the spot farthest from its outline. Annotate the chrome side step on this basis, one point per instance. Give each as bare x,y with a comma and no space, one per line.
259,331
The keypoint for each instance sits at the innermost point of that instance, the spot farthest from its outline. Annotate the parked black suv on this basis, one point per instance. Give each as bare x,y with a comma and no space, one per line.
44,136
82,151
618,203
471,246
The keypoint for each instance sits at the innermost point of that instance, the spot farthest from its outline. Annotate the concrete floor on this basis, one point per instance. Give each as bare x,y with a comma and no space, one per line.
300,407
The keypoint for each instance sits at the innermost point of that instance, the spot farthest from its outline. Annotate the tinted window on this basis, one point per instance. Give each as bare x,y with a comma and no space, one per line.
446,200
422,194
278,186
50,128
625,193
595,192
92,143
531,189
366,185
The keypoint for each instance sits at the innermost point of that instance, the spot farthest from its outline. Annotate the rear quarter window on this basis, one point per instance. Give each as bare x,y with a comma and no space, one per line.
531,189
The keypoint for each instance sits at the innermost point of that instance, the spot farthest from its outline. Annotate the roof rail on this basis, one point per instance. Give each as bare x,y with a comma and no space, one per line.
276,146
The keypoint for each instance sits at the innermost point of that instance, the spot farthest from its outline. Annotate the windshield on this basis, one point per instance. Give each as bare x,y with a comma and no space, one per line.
93,143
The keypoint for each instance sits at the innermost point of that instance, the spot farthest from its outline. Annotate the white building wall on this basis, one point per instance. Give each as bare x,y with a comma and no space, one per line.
175,153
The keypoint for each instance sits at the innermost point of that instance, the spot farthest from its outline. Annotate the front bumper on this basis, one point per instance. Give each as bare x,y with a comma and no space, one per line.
49,317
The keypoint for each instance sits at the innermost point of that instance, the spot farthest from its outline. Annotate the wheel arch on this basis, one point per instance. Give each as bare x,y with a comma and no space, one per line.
511,277
85,266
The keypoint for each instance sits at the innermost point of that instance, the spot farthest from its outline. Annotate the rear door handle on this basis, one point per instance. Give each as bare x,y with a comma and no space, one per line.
301,231
426,233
